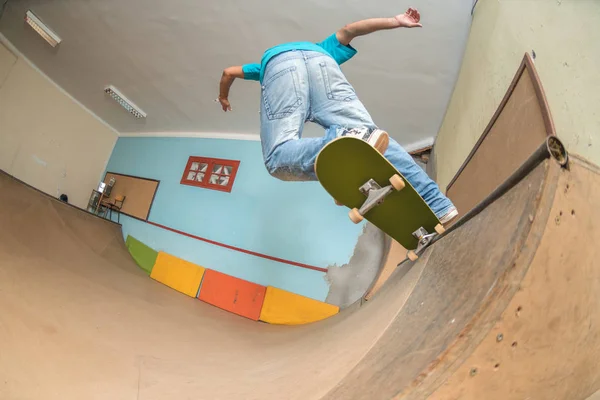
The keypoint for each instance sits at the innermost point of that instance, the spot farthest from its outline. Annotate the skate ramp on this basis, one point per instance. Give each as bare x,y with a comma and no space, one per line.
503,307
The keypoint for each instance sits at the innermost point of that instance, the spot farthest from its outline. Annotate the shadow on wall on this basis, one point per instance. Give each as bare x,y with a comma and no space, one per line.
349,282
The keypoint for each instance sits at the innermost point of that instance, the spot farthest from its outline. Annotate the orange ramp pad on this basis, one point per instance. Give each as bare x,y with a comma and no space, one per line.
232,294
178,274
286,308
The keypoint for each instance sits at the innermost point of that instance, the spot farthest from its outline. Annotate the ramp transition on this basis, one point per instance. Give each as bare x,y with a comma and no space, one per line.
504,307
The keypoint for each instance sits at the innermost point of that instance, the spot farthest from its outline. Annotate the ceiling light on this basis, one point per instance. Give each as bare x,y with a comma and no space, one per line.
42,29
124,102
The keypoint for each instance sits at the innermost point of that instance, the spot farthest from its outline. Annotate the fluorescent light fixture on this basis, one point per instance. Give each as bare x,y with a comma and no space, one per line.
124,102
42,29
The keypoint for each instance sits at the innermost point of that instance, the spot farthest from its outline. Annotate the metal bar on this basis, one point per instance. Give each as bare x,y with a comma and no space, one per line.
552,147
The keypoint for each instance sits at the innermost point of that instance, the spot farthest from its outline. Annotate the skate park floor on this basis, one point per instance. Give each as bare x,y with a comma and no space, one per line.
474,317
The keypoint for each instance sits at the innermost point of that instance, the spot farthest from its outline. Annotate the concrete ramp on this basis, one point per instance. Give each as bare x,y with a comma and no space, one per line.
504,307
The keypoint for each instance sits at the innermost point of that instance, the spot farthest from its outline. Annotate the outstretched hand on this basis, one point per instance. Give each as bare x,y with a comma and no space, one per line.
410,19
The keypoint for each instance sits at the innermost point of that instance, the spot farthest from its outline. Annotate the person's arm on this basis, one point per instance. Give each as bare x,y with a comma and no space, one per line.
410,19
229,75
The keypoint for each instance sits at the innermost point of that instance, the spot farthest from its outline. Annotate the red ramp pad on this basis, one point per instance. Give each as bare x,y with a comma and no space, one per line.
232,294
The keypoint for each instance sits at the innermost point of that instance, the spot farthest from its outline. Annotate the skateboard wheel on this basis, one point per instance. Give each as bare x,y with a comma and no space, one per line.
412,256
397,182
355,216
439,228
337,203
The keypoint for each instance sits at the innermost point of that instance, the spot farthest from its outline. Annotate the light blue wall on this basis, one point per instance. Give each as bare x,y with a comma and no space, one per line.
296,221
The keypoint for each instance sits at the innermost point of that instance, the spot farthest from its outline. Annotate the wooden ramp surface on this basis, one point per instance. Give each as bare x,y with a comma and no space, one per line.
505,307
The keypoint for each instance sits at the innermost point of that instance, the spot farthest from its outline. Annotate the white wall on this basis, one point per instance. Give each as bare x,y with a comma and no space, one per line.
565,36
47,139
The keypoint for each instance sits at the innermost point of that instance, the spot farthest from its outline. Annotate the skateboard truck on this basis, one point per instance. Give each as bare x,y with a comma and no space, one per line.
375,196
425,238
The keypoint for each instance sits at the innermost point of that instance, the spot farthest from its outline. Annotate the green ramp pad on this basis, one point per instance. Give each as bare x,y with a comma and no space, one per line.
143,255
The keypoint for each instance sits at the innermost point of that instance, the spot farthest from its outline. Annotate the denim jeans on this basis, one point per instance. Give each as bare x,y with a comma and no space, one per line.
300,86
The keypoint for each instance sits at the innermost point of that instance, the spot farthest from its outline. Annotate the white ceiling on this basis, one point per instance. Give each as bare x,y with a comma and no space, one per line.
167,57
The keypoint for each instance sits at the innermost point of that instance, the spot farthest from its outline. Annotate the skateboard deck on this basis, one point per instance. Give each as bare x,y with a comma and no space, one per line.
346,164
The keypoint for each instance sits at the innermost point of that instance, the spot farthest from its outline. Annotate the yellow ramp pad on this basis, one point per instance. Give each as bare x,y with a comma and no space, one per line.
178,274
286,308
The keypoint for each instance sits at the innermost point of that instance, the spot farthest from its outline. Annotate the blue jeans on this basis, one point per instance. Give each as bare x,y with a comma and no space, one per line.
300,86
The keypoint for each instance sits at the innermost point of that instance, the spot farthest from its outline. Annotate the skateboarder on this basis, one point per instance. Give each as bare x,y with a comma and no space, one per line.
302,81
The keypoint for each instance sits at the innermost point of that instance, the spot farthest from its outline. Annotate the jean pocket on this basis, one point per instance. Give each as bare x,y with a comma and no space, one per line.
280,94
337,86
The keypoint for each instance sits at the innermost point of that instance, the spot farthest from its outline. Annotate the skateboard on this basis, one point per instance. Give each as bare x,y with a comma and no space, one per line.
357,176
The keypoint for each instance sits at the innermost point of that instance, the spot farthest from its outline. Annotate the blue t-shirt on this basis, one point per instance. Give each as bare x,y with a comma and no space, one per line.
330,46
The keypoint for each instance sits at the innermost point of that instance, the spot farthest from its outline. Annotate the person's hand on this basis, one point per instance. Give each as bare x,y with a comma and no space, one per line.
410,19
225,104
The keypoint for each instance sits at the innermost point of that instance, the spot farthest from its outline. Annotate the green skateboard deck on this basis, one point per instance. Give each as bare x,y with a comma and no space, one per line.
346,164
